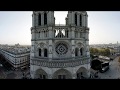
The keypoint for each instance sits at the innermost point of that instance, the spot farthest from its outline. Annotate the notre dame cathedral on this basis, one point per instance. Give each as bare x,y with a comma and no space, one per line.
59,51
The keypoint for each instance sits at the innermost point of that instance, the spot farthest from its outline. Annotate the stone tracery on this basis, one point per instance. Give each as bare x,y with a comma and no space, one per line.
61,48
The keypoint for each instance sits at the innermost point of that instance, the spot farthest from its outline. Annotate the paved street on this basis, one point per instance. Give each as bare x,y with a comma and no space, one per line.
113,72
4,74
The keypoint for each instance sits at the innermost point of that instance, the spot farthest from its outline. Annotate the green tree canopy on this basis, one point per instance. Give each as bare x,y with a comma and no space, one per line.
101,51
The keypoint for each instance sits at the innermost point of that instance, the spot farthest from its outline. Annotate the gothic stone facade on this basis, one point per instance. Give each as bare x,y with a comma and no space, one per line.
60,51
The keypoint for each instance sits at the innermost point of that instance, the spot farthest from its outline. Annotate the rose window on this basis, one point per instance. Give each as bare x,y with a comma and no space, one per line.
61,48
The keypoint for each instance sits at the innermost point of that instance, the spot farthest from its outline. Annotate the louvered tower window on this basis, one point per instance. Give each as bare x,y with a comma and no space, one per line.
45,18
80,20
39,19
75,19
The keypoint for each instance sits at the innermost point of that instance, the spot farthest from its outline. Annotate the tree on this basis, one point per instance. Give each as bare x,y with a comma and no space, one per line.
94,51
107,52
101,51
91,50
96,64
104,52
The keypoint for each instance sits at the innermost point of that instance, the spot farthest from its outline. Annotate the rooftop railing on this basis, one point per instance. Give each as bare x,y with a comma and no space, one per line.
60,24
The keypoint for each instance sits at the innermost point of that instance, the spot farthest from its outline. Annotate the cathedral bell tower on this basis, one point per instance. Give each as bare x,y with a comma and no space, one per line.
77,18
42,22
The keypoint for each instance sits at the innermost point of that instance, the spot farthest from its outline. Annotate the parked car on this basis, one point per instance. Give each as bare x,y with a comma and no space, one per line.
104,69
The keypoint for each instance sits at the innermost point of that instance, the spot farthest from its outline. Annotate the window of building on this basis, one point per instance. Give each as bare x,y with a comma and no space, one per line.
67,33
45,52
75,19
45,18
39,52
81,51
80,20
39,19
61,48
76,51
39,34
44,33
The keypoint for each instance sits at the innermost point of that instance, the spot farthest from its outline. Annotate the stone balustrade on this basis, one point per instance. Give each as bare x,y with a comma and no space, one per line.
59,63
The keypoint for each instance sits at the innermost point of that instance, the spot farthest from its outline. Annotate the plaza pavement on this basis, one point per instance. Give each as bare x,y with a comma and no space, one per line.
113,72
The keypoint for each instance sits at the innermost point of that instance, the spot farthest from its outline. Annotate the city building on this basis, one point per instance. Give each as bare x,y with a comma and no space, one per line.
18,56
59,51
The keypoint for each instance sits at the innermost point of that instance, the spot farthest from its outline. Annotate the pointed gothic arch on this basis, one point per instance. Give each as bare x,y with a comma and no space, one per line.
62,74
41,74
80,44
81,51
40,52
81,73
45,52
76,51
67,33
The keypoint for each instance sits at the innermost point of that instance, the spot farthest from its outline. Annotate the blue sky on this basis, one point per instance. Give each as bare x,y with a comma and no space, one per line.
15,26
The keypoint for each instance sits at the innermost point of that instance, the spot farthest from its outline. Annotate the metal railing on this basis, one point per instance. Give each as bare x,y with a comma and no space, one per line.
60,24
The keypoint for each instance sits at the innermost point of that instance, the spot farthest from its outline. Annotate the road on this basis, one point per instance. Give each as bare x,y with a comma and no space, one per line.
10,74
2,74
113,72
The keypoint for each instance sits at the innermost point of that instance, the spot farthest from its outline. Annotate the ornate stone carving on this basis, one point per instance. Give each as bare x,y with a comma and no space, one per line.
41,45
36,43
80,44
61,48
47,42
50,51
60,64
32,50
